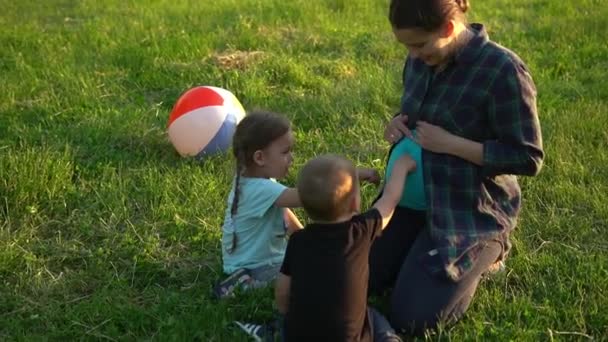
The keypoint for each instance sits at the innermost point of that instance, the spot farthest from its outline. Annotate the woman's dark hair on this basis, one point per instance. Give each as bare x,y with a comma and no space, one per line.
425,14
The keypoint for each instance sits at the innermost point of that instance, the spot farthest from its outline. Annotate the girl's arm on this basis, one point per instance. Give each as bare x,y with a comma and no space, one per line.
291,221
368,175
289,199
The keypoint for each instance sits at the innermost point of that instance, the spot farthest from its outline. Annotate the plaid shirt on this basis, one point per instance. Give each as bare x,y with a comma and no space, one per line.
484,94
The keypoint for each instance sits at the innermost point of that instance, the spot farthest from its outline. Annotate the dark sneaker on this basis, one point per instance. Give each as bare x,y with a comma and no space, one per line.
260,333
226,287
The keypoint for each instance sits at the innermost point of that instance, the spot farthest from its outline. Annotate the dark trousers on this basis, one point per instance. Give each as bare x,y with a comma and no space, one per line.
419,300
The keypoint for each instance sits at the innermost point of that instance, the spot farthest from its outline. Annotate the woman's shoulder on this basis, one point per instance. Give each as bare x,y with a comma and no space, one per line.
503,58
501,66
510,72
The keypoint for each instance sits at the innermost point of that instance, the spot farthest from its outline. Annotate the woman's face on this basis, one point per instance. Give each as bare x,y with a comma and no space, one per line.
430,47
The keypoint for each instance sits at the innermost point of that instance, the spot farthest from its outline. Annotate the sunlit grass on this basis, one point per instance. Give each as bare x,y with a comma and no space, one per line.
106,233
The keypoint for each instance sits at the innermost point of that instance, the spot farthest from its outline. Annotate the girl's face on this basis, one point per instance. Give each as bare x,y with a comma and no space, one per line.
278,156
430,47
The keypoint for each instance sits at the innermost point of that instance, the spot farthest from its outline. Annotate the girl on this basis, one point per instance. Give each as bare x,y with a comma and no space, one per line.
258,217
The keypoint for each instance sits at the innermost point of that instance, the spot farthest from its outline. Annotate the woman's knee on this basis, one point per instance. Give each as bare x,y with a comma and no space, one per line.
416,312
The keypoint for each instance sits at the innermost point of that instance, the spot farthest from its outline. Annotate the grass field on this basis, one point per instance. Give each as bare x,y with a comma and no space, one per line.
106,233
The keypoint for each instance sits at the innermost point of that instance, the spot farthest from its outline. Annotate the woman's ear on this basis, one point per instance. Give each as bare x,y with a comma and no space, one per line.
258,158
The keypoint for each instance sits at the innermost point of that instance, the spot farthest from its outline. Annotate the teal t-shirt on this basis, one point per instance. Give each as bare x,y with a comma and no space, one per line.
413,195
258,226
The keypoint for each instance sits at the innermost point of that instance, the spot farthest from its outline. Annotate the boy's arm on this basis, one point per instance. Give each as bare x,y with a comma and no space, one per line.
289,198
281,293
291,221
394,188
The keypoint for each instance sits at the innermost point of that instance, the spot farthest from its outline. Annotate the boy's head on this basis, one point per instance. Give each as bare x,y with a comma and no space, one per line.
329,188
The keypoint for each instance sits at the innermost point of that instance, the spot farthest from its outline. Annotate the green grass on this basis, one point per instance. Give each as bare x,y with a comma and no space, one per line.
106,233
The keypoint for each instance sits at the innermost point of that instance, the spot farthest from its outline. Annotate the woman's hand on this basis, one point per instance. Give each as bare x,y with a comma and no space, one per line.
438,140
397,129
368,175
434,138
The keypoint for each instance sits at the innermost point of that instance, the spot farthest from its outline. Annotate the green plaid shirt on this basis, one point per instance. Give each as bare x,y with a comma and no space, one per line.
484,94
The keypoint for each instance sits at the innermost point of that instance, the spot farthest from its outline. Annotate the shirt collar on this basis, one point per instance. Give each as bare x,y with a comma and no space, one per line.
470,51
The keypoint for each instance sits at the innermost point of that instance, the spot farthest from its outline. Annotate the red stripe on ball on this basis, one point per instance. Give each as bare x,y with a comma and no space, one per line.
195,98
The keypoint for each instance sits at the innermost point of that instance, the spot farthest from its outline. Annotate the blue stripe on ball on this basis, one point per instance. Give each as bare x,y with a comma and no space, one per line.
222,139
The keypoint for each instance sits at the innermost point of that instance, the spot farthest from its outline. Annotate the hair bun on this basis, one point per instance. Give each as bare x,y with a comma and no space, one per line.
463,4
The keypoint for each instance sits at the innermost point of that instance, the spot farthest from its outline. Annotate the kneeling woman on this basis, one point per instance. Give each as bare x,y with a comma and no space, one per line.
472,104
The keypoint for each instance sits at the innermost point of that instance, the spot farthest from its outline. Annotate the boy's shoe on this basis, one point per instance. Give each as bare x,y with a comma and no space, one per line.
260,333
227,287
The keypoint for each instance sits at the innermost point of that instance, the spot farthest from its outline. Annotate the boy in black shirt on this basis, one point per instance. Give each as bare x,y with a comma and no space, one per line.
322,286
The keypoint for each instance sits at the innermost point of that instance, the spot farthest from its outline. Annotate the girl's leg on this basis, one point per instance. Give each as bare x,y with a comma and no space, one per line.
390,249
263,276
421,301
246,279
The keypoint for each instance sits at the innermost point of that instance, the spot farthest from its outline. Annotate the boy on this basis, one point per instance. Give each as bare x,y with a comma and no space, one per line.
322,286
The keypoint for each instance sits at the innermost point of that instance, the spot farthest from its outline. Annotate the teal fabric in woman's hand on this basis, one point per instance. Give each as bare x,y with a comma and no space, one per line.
413,195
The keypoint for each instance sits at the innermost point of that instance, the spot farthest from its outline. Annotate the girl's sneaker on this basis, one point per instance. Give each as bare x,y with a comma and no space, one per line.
227,287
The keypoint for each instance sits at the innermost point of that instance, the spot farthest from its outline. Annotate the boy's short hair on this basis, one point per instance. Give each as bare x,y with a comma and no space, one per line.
326,185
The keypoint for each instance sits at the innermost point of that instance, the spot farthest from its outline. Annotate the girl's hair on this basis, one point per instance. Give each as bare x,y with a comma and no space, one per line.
256,131
426,14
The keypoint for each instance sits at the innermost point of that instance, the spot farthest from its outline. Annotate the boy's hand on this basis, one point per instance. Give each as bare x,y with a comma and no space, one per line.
405,162
368,175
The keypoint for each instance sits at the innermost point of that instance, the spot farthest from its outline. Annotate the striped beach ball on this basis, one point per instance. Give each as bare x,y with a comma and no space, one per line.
203,121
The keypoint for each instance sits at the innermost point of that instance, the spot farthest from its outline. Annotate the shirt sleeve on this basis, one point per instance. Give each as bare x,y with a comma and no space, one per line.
372,223
514,121
262,196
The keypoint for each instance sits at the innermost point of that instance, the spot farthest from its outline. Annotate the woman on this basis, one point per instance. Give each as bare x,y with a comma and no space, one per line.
472,104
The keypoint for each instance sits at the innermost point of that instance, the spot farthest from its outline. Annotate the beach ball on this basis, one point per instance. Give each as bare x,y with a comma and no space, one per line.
203,121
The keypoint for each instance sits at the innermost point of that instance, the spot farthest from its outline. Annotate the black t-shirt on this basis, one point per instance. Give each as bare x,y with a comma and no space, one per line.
328,266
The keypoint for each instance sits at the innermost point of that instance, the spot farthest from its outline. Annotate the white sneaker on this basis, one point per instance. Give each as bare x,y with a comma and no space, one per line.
260,333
